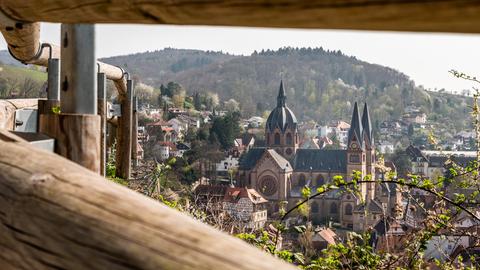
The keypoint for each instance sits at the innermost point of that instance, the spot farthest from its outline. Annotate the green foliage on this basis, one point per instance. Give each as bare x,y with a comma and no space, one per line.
321,85
225,129
56,109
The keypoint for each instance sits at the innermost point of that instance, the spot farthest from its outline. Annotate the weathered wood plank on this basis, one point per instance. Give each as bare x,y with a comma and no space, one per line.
55,214
404,15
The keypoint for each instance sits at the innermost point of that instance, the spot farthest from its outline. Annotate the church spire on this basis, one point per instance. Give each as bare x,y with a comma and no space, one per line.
367,125
281,96
355,127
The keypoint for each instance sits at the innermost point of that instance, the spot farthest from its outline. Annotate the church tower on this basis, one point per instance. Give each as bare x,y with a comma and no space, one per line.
281,133
369,150
356,149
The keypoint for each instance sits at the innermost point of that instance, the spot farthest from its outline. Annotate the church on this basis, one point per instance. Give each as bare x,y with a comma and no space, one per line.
280,170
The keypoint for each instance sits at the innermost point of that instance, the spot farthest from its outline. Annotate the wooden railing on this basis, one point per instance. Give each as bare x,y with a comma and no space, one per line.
56,214
404,15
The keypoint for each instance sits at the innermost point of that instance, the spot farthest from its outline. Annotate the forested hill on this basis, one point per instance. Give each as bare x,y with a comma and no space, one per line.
321,84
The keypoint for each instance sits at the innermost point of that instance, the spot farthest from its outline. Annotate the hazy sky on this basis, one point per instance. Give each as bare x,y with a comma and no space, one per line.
426,58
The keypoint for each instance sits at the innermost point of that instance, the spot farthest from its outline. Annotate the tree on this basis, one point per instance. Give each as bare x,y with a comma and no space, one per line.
225,129
232,105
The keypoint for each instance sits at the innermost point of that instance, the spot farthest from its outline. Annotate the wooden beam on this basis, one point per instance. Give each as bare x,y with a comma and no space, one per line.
56,214
404,15
23,41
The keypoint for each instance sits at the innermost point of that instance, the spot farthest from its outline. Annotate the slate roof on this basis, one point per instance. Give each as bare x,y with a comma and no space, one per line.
281,161
320,160
281,117
367,125
372,207
356,127
414,153
249,159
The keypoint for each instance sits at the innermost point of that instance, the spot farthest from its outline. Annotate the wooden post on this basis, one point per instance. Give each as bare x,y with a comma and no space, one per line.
135,131
46,117
124,135
102,111
78,130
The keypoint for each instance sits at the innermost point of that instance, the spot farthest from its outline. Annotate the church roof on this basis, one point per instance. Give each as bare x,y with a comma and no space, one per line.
320,160
249,159
279,159
367,125
281,117
355,127
372,207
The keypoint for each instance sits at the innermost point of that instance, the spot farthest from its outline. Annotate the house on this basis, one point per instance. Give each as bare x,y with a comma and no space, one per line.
385,147
246,206
226,165
366,215
164,150
323,237
161,131
432,164
181,149
389,235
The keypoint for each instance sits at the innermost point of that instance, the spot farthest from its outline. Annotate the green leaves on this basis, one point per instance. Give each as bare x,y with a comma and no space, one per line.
56,110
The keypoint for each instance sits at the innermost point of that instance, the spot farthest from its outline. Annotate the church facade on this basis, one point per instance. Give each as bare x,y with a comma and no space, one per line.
280,170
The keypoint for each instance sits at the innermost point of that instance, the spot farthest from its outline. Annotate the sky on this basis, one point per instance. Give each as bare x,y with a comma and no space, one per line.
424,57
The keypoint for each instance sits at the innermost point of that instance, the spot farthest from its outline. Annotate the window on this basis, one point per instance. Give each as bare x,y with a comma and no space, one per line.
289,138
301,180
314,207
277,138
333,208
354,159
348,210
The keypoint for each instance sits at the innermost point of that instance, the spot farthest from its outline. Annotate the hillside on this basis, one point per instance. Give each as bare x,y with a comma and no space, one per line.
20,81
321,84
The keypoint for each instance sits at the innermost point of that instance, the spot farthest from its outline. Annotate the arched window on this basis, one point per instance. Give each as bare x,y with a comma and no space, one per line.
333,208
320,180
289,138
302,180
277,138
348,210
314,207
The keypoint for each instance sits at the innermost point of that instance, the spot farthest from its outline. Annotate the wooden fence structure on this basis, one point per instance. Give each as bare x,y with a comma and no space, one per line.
56,214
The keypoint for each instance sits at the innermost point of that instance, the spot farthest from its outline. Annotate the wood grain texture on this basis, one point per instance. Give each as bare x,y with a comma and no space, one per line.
46,106
123,157
8,108
78,139
55,214
404,15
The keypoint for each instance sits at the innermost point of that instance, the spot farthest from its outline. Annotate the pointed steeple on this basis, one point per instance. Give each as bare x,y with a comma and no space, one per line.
367,125
355,127
281,98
